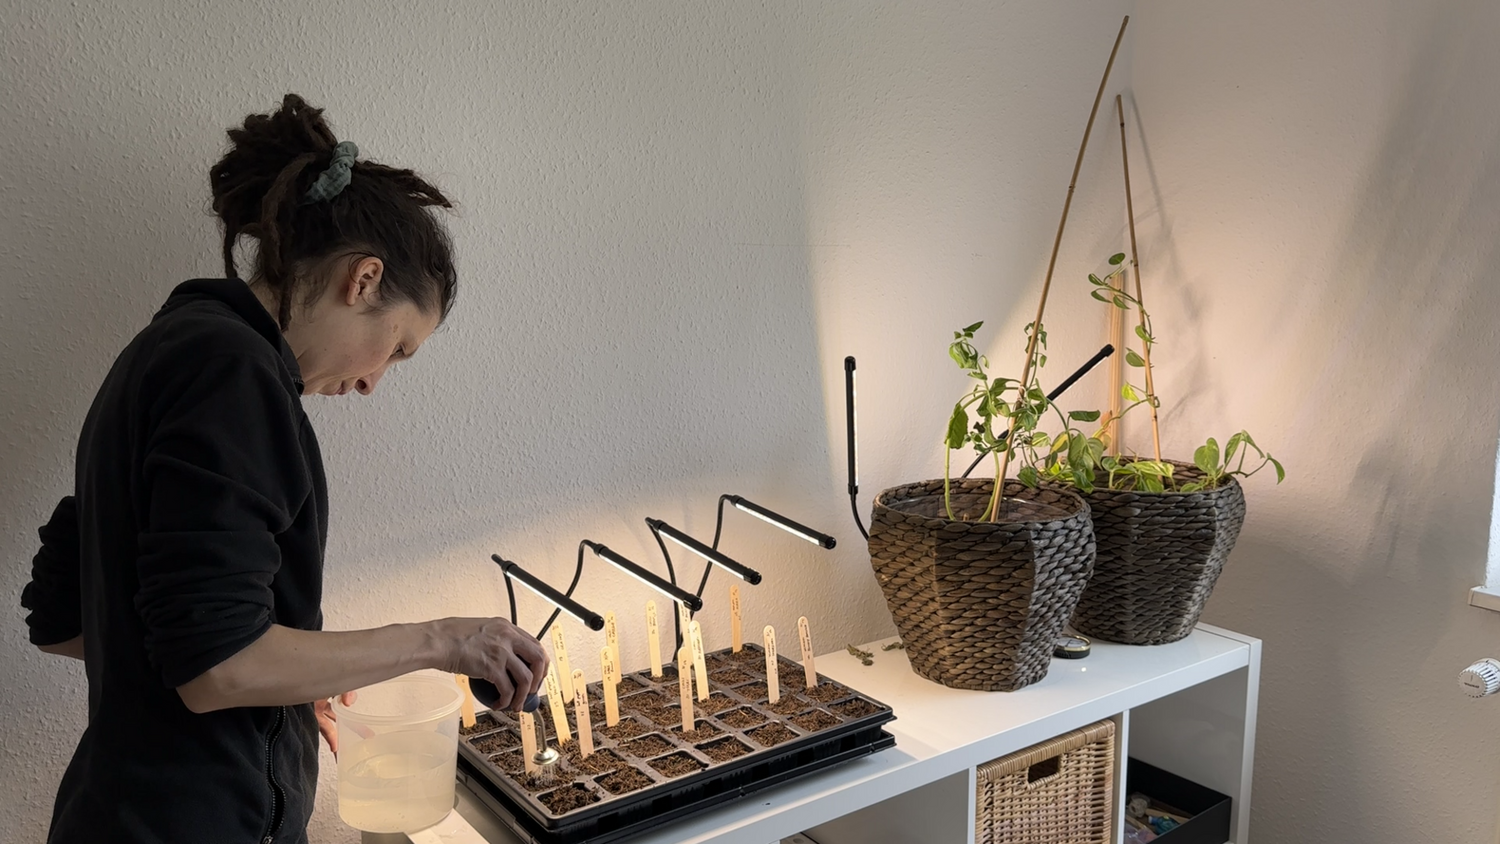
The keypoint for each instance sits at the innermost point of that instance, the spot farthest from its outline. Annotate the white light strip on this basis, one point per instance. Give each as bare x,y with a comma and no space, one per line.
770,521
854,391
653,586
687,547
537,592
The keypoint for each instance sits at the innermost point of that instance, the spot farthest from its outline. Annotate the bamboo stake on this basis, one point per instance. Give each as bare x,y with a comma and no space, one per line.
1116,338
1135,267
1036,326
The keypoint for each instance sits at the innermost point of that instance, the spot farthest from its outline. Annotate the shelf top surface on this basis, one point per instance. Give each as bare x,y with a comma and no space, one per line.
933,719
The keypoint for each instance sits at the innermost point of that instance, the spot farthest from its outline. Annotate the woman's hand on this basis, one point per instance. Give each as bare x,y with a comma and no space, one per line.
328,721
493,649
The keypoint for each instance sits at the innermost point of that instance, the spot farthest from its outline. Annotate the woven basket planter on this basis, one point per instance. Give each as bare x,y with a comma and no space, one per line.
979,604
1058,792
1160,554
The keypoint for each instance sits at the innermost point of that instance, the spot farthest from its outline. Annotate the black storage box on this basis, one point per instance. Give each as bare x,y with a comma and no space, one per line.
1208,810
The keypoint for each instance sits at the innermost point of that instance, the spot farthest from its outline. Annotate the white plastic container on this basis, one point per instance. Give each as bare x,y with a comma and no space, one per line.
398,750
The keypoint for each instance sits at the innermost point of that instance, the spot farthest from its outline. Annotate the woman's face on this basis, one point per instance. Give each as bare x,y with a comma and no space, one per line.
344,341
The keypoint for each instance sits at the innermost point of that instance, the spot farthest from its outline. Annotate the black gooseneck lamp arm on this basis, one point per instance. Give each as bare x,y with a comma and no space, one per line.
1081,371
850,449
668,588
852,445
563,601
713,557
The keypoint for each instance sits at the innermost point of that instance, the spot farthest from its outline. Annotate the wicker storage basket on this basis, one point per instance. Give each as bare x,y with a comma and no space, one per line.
979,604
1058,792
1160,554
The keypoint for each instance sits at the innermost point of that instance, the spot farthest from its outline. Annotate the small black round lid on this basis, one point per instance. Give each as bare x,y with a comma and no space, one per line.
1071,646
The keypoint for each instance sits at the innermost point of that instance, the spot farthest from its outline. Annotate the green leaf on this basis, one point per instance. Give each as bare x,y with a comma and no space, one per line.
1117,259
1195,486
1040,439
1231,447
1058,444
1129,393
1110,464
1140,331
973,328
1095,280
1041,360
1280,472
1096,449
1134,359
1099,294
1084,415
1206,458
958,427
1119,301
1027,476
1152,468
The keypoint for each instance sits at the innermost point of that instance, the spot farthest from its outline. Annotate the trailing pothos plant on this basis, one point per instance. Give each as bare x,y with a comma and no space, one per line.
1080,460
1021,407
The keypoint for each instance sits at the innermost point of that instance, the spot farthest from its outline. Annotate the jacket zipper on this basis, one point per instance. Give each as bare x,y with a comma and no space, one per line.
278,796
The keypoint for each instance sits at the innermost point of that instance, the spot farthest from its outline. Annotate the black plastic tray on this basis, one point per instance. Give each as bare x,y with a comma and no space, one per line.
614,817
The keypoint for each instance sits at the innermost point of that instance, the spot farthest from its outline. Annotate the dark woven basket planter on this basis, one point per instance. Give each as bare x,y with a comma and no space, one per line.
1160,554
979,604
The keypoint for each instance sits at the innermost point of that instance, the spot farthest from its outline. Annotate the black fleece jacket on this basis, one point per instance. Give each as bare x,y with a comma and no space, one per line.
198,519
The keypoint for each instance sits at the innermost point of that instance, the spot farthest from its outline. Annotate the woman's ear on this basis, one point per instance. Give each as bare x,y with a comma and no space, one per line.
363,283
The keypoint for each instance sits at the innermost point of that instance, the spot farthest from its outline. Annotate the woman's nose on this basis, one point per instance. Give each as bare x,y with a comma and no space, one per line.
366,385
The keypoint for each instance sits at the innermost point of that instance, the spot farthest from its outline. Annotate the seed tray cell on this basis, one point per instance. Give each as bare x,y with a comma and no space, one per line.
646,771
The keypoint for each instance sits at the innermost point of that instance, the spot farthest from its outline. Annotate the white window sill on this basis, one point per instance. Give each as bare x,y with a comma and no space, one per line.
1485,597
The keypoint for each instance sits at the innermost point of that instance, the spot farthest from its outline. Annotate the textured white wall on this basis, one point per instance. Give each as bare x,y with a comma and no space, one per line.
1325,183
677,219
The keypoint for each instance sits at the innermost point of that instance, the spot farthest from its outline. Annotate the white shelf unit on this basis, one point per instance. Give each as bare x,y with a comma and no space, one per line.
1187,707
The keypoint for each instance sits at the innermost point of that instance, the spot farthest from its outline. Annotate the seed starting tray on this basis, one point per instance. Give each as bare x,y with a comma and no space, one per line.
644,772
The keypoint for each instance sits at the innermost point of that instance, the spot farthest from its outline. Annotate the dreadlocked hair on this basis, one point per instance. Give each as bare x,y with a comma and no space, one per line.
258,189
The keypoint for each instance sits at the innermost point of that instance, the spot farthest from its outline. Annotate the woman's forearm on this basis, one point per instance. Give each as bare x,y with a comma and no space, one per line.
289,666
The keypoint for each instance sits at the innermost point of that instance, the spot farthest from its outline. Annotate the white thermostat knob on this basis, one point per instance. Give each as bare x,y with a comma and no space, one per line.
1480,679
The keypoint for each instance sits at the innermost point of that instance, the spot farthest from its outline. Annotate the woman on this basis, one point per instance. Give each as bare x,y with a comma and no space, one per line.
186,568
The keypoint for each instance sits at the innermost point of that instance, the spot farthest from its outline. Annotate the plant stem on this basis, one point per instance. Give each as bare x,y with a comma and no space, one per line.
947,483
1041,308
1140,302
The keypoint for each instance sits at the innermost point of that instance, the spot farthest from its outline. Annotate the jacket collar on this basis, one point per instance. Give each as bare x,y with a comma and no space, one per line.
237,295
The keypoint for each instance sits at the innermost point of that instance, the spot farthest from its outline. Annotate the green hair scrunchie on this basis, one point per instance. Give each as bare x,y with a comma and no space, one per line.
336,177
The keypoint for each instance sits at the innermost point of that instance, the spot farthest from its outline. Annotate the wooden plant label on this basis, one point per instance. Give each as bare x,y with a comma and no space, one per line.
468,708
581,715
695,641
612,634
736,635
653,638
560,654
773,679
685,686
805,637
528,742
555,703
611,683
